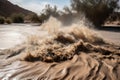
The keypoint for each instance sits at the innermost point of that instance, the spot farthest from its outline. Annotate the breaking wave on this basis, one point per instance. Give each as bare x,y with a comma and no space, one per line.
66,53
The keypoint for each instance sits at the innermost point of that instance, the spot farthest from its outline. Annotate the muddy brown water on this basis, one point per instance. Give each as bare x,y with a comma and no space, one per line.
88,62
14,34
11,35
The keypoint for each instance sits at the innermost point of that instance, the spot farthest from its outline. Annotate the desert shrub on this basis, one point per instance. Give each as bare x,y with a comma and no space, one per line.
97,11
48,11
2,20
8,21
17,18
114,17
51,11
34,18
43,17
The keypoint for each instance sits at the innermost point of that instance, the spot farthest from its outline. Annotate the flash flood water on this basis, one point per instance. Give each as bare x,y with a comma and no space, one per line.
52,52
15,34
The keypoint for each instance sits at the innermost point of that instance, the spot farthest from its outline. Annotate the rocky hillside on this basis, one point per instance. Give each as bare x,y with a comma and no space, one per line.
7,9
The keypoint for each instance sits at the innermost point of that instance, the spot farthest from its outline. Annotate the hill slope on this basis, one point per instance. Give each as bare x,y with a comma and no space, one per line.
7,9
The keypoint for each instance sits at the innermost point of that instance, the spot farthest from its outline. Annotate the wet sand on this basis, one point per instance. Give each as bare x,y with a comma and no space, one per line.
71,54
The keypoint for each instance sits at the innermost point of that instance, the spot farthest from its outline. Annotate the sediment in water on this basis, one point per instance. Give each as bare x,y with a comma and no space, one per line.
70,53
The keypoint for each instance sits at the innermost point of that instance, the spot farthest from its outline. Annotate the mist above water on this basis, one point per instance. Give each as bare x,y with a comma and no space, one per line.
61,43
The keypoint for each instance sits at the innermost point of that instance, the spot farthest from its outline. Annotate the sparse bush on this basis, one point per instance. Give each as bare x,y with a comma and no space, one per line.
47,12
8,21
17,18
2,20
43,17
114,17
95,10
34,18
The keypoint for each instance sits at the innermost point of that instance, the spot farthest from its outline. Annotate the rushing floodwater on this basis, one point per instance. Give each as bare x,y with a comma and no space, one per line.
11,35
70,53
